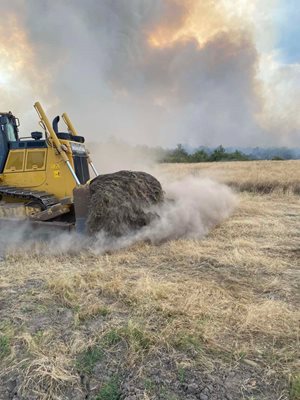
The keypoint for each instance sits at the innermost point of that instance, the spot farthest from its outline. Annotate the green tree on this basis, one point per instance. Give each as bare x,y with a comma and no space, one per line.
237,156
178,155
199,156
218,154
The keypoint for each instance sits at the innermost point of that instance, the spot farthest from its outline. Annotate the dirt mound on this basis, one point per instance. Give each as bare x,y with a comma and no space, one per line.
121,202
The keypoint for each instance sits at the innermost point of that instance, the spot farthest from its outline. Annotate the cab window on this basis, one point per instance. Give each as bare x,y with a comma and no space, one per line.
11,135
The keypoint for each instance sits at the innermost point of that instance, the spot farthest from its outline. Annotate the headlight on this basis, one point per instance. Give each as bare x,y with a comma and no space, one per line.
78,148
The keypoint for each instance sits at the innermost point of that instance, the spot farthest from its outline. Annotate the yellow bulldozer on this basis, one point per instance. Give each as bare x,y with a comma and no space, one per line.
39,174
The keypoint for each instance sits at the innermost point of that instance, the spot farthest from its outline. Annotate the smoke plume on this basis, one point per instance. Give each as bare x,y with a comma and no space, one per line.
155,72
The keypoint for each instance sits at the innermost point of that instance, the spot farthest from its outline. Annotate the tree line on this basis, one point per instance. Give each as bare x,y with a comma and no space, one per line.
180,155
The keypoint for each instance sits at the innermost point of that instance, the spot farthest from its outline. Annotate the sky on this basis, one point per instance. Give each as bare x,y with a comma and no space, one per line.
287,25
156,72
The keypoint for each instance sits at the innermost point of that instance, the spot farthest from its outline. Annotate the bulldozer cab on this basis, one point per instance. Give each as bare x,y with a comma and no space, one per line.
54,161
9,124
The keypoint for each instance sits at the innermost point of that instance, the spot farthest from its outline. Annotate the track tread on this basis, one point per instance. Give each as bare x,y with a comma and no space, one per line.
47,200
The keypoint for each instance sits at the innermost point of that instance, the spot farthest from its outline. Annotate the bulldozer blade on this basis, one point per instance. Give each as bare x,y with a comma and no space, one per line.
81,196
50,213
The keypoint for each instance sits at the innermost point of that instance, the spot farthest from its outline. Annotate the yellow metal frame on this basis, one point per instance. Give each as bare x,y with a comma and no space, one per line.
55,140
50,130
69,124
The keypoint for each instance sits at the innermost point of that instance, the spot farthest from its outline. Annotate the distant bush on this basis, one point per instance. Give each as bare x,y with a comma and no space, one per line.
277,158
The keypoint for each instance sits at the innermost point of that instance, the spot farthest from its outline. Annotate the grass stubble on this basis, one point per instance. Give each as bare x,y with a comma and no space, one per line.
153,317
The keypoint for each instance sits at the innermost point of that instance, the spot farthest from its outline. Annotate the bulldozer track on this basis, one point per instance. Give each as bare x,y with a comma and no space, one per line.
45,199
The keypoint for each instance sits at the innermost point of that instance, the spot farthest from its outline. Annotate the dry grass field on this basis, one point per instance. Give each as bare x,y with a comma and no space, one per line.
253,176
210,319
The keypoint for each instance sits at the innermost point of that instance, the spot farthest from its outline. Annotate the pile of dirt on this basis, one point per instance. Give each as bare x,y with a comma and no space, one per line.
121,202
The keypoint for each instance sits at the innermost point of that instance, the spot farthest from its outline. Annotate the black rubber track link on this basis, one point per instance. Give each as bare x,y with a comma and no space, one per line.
46,200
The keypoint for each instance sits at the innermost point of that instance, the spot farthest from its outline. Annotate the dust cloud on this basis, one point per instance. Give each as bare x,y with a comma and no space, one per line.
192,208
